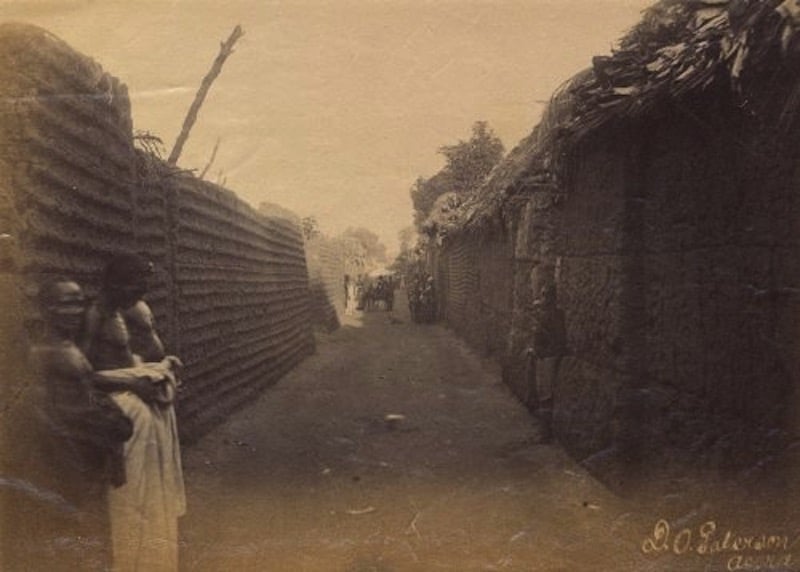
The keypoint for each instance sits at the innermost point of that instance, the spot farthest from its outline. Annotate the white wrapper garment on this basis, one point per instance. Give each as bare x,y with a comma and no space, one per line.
144,511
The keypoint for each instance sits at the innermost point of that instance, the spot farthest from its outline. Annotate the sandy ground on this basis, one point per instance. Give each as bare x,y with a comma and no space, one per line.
312,477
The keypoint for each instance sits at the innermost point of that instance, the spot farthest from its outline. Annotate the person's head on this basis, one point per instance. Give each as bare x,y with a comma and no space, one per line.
62,305
125,280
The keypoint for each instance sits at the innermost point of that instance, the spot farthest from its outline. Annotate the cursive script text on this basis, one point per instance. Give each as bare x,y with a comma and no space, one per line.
744,551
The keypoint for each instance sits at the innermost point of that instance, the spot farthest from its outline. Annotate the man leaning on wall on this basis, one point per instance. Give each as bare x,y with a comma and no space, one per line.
128,356
549,343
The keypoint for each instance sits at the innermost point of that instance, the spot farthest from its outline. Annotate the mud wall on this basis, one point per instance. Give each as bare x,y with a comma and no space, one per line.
718,269
68,169
672,245
595,250
458,284
242,307
60,117
326,271
473,277
534,246
231,290
66,183
675,265
580,245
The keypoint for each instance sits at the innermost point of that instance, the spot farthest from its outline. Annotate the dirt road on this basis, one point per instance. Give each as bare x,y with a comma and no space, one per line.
312,477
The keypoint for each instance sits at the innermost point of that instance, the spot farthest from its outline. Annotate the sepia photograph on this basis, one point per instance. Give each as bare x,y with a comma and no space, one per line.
399,285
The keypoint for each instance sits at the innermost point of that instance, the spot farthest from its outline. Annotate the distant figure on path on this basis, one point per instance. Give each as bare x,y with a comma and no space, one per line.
549,345
85,433
427,300
120,335
360,292
350,295
390,288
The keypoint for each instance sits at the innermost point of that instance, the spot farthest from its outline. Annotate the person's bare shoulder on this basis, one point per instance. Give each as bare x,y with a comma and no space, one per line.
140,315
64,360
145,341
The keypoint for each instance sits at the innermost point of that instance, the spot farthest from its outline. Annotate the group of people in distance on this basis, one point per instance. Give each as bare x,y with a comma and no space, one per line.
365,293
107,396
421,298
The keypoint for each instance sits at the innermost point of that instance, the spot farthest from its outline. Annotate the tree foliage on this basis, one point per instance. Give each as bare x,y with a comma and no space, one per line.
425,192
406,237
467,165
470,162
408,258
363,247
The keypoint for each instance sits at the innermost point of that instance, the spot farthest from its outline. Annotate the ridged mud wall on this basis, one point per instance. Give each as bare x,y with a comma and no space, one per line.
326,271
672,248
473,275
231,287
676,250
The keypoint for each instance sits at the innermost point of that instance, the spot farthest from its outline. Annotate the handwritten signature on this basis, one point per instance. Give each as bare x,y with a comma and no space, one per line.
759,551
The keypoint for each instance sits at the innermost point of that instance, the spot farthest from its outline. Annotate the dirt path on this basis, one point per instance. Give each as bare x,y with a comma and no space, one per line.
312,478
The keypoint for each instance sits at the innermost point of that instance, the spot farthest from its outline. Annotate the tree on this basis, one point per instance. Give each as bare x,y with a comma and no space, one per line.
406,238
374,251
225,50
406,259
468,164
355,255
425,192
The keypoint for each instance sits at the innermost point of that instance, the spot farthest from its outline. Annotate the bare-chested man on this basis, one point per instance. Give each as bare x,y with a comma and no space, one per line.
120,333
84,436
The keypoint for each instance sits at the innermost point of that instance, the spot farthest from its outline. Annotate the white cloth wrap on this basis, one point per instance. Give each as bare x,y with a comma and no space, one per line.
144,511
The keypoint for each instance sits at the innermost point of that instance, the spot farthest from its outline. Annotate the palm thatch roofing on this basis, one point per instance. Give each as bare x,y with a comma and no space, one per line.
444,216
679,47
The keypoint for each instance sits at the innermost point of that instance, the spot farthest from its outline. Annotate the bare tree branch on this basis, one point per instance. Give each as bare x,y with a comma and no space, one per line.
211,159
226,49
221,178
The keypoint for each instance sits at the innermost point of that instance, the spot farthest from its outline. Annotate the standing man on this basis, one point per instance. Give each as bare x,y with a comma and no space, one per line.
120,334
390,287
84,435
549,343
349,295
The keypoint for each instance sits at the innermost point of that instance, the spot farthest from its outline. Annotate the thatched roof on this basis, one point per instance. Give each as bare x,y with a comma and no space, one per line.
445,215
521,168
679,47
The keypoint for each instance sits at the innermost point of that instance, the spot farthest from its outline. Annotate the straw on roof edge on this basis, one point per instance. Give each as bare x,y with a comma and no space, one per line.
679,47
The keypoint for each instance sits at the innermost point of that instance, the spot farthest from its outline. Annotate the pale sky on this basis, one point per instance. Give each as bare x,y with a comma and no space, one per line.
334,108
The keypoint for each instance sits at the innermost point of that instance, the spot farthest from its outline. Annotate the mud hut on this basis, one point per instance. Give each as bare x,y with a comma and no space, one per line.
656,204
471,272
